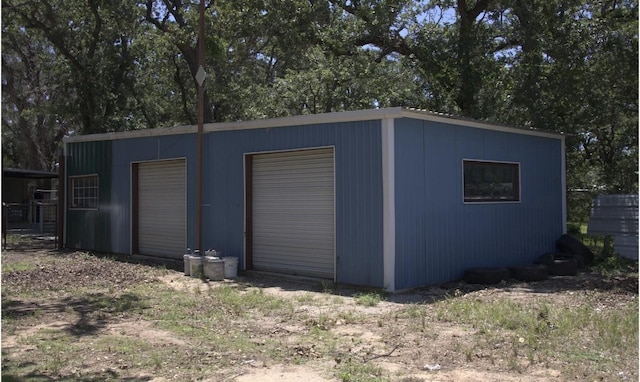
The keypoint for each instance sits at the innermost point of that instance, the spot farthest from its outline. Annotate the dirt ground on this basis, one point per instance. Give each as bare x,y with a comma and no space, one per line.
379,337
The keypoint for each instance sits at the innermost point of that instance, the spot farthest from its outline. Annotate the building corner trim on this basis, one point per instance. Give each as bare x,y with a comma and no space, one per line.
388,204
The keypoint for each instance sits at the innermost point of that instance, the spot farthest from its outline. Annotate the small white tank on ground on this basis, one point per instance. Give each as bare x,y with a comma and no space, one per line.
213,268
187,266
230,267
196,266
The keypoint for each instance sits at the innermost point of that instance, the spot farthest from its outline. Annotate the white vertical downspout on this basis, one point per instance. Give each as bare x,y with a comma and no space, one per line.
388,205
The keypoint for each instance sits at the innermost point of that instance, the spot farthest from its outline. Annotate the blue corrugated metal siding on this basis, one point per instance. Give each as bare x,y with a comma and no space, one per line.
437,235
125,152
358,190
90,229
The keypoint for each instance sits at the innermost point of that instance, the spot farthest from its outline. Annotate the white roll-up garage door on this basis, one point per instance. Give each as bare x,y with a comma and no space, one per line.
162,208
293,212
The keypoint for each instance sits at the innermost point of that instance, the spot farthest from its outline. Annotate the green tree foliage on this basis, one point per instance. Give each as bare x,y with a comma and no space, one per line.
609,138
32,96
87,66
575,70
94,38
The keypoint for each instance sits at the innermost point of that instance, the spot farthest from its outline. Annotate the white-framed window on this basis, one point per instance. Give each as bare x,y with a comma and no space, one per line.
488,181
84,192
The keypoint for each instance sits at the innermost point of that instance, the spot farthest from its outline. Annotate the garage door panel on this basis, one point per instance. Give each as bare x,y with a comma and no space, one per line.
162,208
284,268
283,254
153,210
294,221
296,201
300,243
293,212
291,232
282,262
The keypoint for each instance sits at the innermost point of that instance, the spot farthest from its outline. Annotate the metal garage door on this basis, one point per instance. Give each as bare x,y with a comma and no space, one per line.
162,208
293,212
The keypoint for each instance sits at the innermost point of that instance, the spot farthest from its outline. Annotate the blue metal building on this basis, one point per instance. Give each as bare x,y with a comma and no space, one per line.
394,198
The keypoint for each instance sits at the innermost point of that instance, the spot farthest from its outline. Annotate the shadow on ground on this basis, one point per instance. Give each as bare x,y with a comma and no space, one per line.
95,377
25,239
585,280
92,310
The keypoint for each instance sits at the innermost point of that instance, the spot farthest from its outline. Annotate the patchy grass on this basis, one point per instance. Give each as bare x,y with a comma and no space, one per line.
606,261
586,335
372,298
18,267
81,317
353,371
18,241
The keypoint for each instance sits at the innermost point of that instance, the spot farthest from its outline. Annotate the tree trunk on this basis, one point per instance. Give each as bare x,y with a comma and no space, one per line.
607,247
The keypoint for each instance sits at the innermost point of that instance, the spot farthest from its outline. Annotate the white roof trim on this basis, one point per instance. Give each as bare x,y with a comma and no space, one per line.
313,119
132,134
463,121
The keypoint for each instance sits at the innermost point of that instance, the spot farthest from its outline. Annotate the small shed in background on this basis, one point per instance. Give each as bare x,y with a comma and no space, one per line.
617,216
30,199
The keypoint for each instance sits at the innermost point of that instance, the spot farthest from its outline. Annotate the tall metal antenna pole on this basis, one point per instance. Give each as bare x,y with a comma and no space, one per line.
200,79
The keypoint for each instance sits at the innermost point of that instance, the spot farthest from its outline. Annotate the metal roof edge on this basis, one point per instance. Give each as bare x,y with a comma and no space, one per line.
24,173
183,129
311,119
470,122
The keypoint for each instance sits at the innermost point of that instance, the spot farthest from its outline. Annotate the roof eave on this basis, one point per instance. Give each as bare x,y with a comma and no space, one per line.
314,119
463,121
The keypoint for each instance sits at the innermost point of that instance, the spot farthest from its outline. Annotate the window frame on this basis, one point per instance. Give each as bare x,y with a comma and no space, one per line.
73,200
517,183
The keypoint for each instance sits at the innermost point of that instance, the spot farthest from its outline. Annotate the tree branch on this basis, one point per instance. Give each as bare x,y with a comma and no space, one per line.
97,28
376,356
